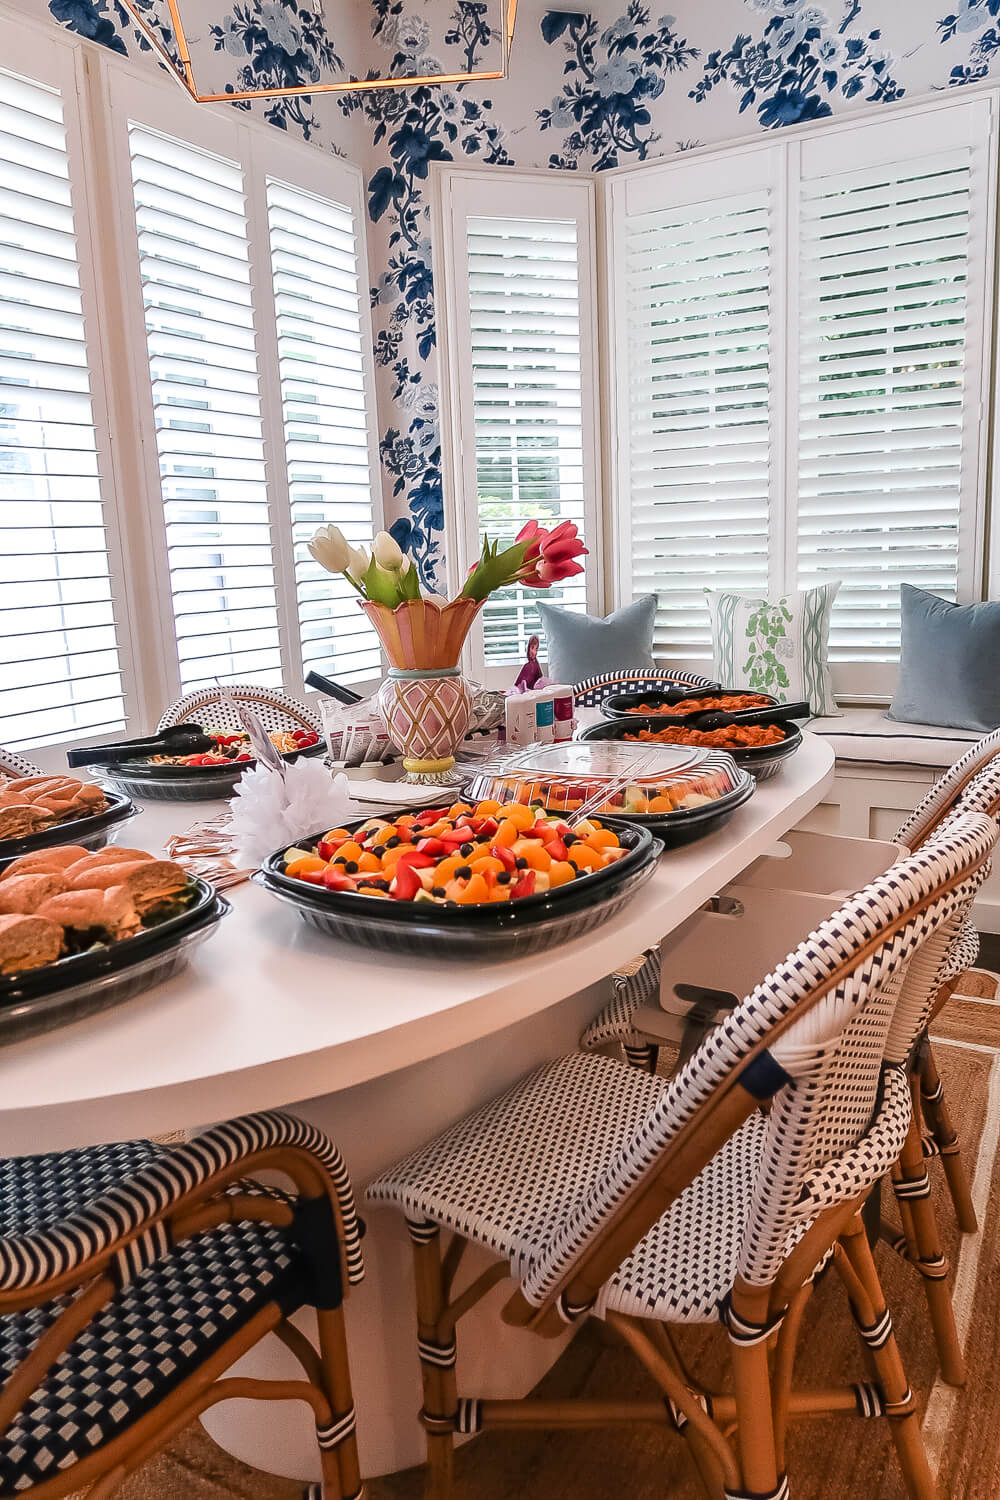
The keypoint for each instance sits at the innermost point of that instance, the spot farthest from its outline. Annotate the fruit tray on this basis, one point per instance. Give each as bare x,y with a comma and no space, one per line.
678,794
91,833
488,931
82,984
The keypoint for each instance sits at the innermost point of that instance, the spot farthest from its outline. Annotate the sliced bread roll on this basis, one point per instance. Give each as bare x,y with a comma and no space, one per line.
111,911
148,881
44,861
28,943
25,893
20,819
102,859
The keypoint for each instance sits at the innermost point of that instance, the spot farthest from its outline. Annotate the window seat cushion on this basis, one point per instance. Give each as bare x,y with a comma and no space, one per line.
866,735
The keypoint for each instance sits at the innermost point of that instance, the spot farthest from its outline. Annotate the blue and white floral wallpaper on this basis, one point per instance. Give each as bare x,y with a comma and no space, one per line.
617,82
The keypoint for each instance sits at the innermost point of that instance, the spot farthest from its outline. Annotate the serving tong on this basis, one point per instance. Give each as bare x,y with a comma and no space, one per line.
176,739
719,718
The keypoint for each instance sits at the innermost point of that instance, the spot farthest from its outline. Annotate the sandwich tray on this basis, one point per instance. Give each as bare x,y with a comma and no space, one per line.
81,984
91,833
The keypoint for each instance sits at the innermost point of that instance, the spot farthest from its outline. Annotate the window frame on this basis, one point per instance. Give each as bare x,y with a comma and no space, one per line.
95,89
978,569
455,197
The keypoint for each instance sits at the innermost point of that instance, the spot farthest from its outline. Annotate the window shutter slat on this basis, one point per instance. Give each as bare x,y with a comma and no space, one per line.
319,281
523,295
194,262
696,301
885,388
60,675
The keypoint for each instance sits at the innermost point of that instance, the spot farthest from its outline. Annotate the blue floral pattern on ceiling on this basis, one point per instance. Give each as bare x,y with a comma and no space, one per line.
278,44
610,96
612,75
799,60
977,20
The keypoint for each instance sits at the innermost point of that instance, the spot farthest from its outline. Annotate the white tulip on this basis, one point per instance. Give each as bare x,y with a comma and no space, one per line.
405,565
357,561
387,552
330,549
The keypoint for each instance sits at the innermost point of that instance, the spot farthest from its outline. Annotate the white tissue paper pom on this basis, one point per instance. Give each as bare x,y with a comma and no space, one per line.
269,812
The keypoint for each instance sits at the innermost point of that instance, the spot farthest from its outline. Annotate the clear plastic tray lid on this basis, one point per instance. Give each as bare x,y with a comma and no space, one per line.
670,776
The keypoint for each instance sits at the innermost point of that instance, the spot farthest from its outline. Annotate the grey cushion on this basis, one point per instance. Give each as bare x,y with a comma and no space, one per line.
580,645
948,670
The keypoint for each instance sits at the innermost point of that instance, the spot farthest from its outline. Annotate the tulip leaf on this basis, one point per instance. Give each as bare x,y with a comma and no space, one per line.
381,586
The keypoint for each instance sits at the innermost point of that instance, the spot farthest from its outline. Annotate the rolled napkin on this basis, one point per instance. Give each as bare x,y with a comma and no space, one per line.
271,810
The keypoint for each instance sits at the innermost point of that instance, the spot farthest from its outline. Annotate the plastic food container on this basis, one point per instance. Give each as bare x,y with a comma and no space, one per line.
90,833
677,793
42,999
513,930
763,761
161,782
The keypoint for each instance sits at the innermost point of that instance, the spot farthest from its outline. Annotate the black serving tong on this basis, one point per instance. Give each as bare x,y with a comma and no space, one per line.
177,739
332,689
717,718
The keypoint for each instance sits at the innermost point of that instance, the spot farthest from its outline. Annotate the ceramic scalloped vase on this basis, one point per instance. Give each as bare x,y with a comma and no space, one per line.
425,701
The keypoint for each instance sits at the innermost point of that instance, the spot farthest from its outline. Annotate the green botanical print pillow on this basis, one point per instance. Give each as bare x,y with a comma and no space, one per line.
778,646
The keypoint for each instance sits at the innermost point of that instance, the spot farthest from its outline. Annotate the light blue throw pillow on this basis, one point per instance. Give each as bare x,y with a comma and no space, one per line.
949,667
580,645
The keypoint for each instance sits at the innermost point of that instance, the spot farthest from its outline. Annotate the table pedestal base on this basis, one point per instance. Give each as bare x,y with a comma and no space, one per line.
374,1124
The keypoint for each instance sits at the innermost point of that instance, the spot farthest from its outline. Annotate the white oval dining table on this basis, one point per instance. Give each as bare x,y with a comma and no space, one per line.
381,1051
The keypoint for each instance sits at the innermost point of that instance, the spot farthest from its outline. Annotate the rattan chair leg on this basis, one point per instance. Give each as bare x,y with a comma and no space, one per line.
945,1138
875,1329
437,1362
924,1249
754,1418
339,1443
784,1363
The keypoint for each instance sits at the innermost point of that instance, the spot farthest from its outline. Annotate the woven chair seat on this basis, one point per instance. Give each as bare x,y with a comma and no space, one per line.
507,1174
157,1329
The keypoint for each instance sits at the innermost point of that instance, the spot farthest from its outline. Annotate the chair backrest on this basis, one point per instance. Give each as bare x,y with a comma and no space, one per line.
953,946
811,1037
212,709
943,794
14,765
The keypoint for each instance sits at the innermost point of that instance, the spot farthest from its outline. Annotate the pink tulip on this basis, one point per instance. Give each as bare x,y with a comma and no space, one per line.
551,555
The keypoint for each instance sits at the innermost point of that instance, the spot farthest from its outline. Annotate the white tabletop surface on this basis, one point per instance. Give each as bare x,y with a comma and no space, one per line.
271,1010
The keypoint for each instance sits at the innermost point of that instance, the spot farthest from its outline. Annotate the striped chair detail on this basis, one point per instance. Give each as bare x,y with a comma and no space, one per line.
144,1272
605,1190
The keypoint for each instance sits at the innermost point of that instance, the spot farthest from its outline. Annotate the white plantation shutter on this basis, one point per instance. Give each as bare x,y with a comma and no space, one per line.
319,280
891,309
799,339
60,667
696,388
194,260
522,329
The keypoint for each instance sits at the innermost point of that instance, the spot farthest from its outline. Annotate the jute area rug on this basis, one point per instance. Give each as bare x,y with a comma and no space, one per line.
829,1458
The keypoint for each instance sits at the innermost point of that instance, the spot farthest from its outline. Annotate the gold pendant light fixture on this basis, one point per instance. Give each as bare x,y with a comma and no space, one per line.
180,65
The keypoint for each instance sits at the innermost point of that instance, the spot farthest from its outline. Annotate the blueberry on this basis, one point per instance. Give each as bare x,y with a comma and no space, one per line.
437,890
394,842
503,878
569,838
575,866
340,860
522,864
463,872
466,849
351,868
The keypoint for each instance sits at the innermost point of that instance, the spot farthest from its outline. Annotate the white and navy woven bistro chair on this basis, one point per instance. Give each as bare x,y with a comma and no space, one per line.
131,1278
605,1191
637,981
